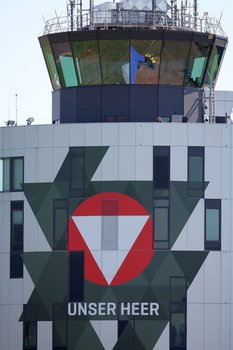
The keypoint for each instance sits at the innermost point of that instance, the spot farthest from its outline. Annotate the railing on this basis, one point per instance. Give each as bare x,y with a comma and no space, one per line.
133,19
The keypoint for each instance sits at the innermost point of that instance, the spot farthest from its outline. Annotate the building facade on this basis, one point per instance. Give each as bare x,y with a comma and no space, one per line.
116,228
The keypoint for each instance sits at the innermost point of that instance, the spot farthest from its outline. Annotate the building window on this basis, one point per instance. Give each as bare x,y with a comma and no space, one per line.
11,174
60,224
76,276
59,327
161,171
16,241
77,171
196,172
178,314
161,223
30,328
213,224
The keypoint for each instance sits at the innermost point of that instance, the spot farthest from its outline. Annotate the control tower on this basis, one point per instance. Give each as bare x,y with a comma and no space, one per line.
125,61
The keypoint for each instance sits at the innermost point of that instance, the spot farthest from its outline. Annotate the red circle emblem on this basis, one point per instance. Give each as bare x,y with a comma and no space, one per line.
115,232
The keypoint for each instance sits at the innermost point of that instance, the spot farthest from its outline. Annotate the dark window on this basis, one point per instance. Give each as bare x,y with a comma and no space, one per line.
161,224
30,328
213,224
16,241
196,172
178,315
76,276
60,217
161,171
214,62
77,171
11,174
59,326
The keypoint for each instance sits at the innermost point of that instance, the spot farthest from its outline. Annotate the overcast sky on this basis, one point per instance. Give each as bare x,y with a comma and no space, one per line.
22,67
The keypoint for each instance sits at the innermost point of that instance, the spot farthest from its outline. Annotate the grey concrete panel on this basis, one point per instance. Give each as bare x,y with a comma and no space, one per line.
46,136
32,136
44,335
31,166
162,134
110,134
17,137
56,108
195,327
225,280
213,173
144,134
193,105
77,134
179,134
93,134
212,267
127,134
46,164
61,135
127,163
178,167
144,163
212,326
213,135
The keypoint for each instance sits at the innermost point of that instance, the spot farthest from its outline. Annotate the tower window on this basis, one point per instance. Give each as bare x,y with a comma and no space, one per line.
212,224
11,174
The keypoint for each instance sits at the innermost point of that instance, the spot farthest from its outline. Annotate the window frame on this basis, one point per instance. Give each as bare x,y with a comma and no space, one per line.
196,192
77,152
60,244
213,204
14,250
11,174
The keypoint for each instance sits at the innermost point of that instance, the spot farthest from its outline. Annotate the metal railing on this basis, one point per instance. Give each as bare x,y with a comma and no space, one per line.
133,19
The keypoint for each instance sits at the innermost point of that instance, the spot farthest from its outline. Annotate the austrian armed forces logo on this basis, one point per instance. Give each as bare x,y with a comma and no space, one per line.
115,232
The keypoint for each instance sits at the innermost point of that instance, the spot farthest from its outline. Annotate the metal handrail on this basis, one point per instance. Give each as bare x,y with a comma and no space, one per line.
133,19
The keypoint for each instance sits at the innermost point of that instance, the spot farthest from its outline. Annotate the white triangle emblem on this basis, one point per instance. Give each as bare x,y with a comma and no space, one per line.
122,237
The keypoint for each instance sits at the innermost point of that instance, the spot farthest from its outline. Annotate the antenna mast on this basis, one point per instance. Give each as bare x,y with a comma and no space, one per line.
195,14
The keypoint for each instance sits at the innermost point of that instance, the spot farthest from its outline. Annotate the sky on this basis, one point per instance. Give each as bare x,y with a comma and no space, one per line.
22,68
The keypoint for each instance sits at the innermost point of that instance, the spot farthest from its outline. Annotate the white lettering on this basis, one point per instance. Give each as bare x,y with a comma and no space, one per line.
135,309
111,309
154,309
82,309
92,310
125,309
72,309
144,309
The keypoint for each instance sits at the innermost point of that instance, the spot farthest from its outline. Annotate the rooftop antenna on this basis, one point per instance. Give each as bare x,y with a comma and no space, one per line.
16,108
70,13
195,14
154,9
172,12
91,13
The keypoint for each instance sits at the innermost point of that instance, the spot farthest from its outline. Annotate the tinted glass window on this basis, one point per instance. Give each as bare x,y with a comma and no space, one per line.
59,326
144,61
215,59
49,59
173,62
161,171
6,174
60,224
196,64
17,165
178,331
30,335
114,57
212,224
196,171
161,224
86,56
109,224
65,64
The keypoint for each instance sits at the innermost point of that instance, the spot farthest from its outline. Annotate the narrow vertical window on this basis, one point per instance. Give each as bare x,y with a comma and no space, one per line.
161,171
11,174
77,171
30,328
76,276
59,327
161,224
196,172
16,241
178,313
60,227
213,224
